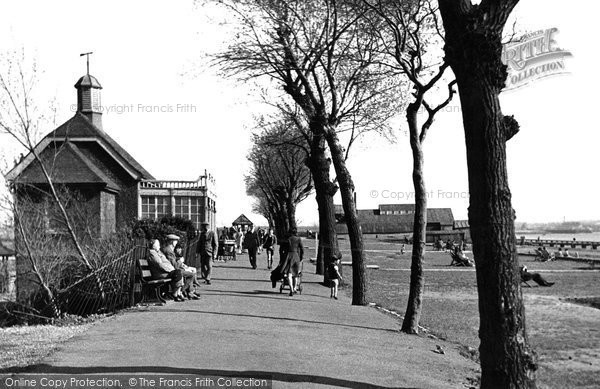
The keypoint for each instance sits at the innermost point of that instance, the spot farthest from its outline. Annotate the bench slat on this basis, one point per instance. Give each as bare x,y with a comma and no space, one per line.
161,281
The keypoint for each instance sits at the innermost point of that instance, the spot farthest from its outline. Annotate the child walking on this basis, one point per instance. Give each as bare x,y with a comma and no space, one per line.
334,275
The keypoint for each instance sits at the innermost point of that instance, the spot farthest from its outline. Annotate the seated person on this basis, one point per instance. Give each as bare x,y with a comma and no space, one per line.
449,245
566,253
536,277
184,267
460,258
546,255
188,275
559,253
439,245
160,267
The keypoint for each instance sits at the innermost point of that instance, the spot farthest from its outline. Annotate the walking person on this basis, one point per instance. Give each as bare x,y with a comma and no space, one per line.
251,244
269,246
334,274
207,250
291,265
260,233
239,240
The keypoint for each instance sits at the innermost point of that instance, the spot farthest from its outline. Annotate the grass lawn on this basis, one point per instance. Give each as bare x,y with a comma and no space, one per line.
22,346
562,324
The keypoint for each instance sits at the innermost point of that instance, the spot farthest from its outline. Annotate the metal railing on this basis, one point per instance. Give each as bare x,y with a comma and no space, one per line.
113,285
173,184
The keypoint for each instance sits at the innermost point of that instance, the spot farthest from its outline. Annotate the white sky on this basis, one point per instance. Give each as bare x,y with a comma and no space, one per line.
150,53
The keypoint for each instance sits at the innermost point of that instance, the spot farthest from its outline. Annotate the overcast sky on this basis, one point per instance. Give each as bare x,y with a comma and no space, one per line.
150,57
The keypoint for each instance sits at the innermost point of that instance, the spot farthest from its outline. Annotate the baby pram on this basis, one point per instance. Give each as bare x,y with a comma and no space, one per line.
277,276
226,250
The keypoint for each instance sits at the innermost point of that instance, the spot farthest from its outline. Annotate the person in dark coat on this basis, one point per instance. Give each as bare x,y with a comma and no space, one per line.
206,250
161,267
251,243
188,277
295,254
535,277
269,245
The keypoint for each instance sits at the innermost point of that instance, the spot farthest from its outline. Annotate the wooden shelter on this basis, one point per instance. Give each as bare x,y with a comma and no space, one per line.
242,221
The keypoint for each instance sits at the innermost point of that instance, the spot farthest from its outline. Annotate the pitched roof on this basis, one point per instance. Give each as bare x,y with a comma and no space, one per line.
396,207
88,81
443,216
80,128
67,165
242,220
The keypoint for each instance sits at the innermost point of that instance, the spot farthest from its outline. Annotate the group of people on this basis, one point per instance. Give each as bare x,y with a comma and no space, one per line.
245,237
252,241
542,254
167,261
449,245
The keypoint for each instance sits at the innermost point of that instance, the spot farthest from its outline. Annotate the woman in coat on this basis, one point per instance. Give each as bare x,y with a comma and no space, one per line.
295,253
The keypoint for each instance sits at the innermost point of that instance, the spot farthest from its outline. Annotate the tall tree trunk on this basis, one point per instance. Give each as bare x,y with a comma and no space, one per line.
359,273
319,166
413,309
291,212
473,50
282,226
506,358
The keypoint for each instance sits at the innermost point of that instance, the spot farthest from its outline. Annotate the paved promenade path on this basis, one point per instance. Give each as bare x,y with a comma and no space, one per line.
241,327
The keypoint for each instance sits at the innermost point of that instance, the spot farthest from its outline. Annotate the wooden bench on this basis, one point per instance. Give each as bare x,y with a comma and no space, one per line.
149,283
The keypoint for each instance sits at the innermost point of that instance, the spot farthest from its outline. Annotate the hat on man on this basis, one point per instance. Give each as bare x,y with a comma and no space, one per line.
204,223
172,237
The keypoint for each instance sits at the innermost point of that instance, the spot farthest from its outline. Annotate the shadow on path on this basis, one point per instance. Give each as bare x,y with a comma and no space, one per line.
262,294
264,281
275,376
168,310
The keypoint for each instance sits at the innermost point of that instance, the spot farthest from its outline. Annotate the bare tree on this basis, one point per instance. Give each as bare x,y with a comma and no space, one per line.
473,34
408,30
280,174
318,161
323,59
21,118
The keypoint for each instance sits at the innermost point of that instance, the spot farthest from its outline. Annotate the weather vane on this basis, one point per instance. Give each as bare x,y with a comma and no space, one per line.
87,55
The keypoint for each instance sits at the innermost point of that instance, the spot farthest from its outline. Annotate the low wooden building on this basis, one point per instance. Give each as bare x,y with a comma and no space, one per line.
396,218
242,222
115,188
104,187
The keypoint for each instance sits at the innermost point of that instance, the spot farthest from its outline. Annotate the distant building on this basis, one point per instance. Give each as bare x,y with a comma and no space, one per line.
399,218
242,221
463,225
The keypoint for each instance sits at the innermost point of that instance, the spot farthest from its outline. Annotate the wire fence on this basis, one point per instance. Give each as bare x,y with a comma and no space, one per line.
115,284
